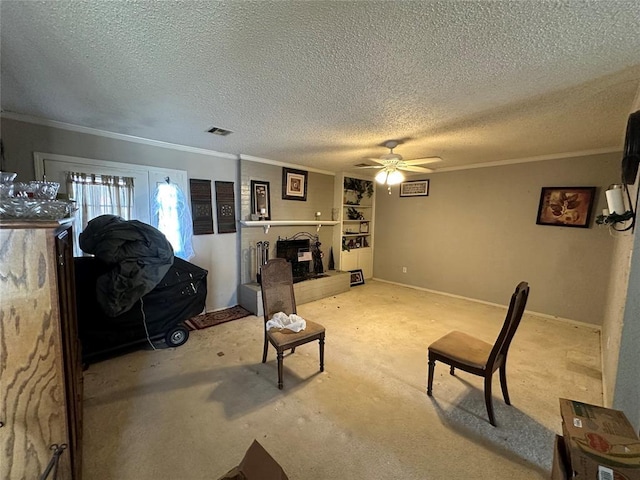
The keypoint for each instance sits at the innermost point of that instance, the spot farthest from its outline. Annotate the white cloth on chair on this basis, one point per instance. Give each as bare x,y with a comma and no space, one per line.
291,322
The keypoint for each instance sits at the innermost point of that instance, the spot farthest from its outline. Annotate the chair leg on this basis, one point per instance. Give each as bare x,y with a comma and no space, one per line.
432,367
321,341
503,383
266,346
452,370
280,383
487,399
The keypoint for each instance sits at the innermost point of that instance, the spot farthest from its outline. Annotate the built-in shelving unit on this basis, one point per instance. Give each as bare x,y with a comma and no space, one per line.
356,200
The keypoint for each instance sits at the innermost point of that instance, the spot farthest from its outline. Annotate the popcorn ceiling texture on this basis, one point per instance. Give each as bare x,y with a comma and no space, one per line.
325,83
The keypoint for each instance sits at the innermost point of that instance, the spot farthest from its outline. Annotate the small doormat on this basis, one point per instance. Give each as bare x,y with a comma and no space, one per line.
214,318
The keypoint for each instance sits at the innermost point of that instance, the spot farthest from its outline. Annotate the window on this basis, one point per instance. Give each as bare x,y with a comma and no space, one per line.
97,195
118,196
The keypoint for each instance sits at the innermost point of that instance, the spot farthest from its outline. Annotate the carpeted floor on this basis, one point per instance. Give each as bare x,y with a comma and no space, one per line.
210,319
190,413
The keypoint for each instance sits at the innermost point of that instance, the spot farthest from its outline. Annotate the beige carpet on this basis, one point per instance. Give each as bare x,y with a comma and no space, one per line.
191,412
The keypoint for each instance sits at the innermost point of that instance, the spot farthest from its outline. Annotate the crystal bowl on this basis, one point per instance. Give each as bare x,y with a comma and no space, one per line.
35,208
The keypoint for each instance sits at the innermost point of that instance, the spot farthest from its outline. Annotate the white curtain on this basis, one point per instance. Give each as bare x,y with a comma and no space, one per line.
171,215
97,195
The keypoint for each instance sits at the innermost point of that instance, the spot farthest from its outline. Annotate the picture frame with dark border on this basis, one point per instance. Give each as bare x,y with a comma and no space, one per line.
201,206
225,201
260,198
294,184
414,188
357,278
566,206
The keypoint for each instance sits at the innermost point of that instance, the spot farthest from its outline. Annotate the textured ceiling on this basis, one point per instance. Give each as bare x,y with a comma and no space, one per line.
325,83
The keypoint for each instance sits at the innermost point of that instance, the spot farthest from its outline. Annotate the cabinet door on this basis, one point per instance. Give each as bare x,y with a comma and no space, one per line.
365,261
33,399
349,260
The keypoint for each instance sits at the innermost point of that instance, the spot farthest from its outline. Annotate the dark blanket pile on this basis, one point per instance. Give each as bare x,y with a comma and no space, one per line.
139,254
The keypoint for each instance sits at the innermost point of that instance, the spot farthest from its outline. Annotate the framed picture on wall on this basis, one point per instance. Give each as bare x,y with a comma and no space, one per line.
294,184
414,188
566,206
260,199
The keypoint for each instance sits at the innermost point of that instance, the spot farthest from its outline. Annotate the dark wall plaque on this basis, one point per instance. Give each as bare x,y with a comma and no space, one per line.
226,207
201,206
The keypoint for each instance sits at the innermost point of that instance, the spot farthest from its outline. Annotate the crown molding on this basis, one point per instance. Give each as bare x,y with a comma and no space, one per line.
116,136
202,151
251,158
541,158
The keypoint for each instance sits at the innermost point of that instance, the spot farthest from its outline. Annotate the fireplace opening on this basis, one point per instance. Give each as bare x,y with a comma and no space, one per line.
298,253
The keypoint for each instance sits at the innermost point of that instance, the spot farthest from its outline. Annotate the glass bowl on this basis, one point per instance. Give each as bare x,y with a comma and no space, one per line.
6,177
35,208
44,190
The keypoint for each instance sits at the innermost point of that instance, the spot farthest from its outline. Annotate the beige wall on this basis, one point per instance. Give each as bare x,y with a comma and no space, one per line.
627,376
615,307
621,330
475,235
216,253
319,199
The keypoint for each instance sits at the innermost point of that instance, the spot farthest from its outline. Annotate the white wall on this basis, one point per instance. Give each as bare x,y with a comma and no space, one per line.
217,253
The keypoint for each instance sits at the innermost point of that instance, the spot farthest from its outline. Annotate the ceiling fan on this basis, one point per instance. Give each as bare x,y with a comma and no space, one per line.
392,163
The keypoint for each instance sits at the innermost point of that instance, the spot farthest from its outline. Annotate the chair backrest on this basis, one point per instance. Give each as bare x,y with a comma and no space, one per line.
277,288
511,322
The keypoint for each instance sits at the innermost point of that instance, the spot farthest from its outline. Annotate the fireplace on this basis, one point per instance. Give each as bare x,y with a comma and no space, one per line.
298,253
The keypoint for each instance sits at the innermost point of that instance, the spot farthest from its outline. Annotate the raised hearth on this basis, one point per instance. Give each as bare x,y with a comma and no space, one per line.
332,283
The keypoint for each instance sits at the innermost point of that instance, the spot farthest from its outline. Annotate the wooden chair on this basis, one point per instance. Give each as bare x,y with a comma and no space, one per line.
459,350
278,296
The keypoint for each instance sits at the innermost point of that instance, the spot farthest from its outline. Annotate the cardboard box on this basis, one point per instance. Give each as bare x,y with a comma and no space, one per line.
600,442
257,464
560,469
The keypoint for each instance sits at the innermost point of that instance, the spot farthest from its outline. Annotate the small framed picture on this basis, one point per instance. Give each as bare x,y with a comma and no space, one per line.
356,277
364,227
294,184
566,206
414,188
260,200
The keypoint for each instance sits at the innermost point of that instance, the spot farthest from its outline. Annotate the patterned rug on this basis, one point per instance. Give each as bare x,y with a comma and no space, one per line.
214,318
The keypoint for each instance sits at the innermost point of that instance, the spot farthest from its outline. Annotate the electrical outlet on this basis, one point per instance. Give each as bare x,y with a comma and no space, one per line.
404,269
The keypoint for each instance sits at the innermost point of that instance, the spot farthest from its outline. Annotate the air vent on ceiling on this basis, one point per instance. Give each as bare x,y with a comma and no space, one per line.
219,131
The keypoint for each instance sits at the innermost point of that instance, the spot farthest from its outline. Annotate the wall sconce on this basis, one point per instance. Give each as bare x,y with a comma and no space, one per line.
617,214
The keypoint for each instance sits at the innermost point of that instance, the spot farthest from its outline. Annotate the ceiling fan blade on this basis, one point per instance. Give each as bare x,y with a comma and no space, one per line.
422,161
377,160
411,168
369,166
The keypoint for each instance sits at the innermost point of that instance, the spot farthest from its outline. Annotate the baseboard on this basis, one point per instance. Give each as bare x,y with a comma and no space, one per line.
577,323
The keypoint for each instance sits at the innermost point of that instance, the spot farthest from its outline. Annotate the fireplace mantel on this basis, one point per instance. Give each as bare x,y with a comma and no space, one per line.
266,224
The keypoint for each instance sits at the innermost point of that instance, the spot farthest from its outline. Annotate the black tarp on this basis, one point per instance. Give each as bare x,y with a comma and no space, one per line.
180,295
140,255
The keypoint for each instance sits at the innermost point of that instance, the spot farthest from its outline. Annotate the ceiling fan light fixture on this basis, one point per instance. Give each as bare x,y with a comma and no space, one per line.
395,178
381,177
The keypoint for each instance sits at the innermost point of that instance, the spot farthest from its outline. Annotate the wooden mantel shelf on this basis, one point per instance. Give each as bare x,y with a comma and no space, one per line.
266,224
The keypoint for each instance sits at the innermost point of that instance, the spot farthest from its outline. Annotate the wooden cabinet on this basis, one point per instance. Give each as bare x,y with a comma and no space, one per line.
41,369
359,258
